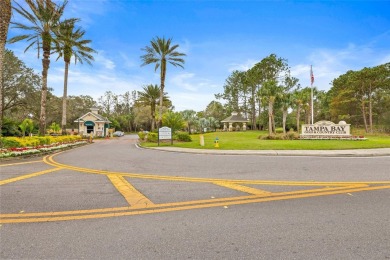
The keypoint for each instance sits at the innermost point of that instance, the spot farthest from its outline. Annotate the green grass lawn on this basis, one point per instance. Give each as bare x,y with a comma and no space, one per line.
249,141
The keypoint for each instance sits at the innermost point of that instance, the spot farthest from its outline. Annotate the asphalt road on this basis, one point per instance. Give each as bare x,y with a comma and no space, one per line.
112,200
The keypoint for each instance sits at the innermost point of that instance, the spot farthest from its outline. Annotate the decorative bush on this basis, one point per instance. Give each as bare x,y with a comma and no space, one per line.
279,130
152,137
272,137
183,137
8,142
141,135
15,142
291,135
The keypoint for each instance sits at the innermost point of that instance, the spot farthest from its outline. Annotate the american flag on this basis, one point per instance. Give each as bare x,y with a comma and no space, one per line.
311,74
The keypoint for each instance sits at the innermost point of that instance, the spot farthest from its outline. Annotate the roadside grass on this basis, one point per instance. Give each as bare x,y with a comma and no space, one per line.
249,141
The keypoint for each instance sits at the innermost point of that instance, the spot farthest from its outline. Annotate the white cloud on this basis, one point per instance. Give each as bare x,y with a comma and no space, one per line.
189,82
101,60
242,66
328,64
195,101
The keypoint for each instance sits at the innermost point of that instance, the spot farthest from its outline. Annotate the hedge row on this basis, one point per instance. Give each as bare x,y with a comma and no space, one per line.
15,142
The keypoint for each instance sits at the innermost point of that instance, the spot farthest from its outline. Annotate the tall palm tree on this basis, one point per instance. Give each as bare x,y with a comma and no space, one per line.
44,19
160,52
5,18
286,102
70,43
271,91
149,97
300,97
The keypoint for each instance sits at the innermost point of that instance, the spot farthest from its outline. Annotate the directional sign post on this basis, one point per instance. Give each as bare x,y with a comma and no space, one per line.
164,133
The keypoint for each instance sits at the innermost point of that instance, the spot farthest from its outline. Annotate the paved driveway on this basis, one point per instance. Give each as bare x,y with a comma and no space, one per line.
114,200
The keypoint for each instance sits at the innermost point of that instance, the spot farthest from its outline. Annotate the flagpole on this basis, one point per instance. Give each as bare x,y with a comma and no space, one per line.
312,104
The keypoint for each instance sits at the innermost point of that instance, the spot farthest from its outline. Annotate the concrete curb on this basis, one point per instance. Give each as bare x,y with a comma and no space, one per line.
320,153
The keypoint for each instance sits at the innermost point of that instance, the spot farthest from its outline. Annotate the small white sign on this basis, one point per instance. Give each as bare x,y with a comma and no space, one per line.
164,133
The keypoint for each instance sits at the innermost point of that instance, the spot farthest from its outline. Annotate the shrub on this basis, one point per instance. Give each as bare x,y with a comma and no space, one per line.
14,142
271,137
291,135
152,137
10,142
183,137
141,135
279,130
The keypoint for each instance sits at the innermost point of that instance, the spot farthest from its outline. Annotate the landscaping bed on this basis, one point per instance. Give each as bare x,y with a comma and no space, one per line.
15,146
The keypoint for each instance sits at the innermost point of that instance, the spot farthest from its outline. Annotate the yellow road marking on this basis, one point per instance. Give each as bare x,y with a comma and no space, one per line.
185,207
242,188
49,160
28,176
175,204
131,195
12,164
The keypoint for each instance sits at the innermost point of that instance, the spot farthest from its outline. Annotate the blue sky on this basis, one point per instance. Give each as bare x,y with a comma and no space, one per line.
218,37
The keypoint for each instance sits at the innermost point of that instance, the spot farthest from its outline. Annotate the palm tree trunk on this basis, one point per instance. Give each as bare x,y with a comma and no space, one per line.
370,109
364,116
270,112
5,17
163,72
153,108
45,64
284,121
64,99
298,115
259,113
253,108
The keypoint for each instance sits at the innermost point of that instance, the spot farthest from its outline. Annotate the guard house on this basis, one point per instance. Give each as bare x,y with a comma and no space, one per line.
234,118
93,123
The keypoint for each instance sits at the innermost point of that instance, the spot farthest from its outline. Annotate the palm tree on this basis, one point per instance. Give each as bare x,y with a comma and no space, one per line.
189,116
45,19
300,97
150,97
271,91
160,52
286,102
5,18
70,43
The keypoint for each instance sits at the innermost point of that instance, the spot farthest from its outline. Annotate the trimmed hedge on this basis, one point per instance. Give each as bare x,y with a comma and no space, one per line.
15,142
183,137
152,137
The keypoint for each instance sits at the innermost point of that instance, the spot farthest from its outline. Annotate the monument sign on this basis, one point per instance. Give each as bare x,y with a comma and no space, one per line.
164,133
325,130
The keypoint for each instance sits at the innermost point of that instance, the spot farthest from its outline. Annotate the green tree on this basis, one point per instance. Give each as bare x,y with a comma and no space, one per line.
362,91
19,86
271,91
56,128
286,103
5,18
71,43
189,116
160,52
232,92
286,97
215,109
26,126
174,120
149,97
44,19
300,97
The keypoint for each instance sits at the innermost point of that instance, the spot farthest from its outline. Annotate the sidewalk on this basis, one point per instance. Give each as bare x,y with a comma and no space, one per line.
322,153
